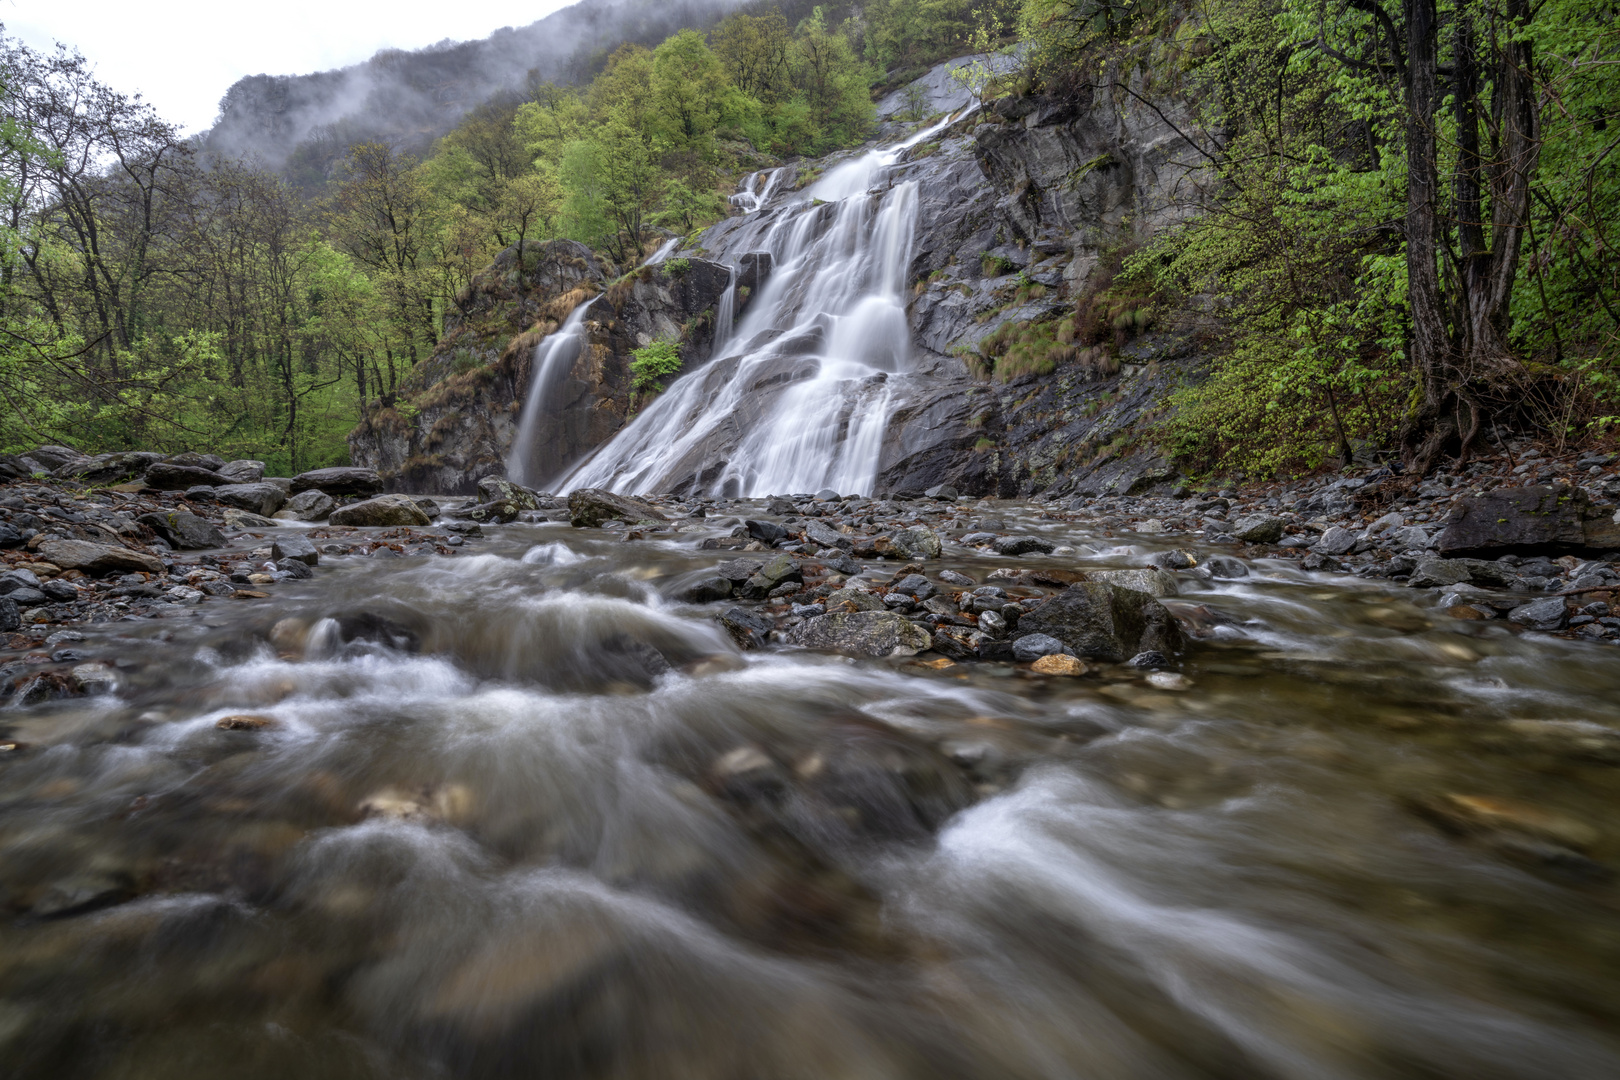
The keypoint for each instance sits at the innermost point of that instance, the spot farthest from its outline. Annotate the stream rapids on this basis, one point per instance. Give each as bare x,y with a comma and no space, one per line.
515,814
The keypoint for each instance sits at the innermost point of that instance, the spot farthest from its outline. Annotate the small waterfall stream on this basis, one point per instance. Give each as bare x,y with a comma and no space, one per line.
796,398
529,461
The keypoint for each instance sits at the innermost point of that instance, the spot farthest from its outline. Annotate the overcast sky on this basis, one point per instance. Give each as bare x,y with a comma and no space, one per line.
183,54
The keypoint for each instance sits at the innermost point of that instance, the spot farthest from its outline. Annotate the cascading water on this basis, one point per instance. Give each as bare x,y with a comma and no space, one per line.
797,397
530,462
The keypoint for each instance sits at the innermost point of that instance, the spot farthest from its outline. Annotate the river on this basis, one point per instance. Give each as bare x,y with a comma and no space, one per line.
511,813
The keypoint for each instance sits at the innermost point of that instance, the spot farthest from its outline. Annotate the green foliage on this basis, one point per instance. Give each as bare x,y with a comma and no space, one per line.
651,363
677,267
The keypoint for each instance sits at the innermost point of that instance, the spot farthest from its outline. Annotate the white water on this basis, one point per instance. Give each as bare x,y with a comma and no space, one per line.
547,370
797,398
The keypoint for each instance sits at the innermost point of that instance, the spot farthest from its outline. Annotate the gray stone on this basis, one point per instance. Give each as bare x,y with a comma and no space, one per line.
97,559
167,476
242,472
862,633
1412,538
1225,567
242,519
590,507
767,531
1336,541
294,545
1031,647
941,491
108,468
262,498
914,585
384,510
917,542
341,481
747,628
1151,580
10,617
27,597
1548,613
847,600
827,495
703,590
1021,545
311,505
1527,519
772,573
184,531
1258,529
491,488
1099,621
819,532
1436,573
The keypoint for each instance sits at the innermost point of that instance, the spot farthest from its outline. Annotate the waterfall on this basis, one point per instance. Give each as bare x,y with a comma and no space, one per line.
665,250
725,312
797,397
532,460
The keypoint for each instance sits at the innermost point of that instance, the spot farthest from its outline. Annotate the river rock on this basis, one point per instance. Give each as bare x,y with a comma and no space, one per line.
766,531
184,531
1148,579
10,616
10,537
819,532
294,545
705,589
1058,664
1021,545
917,542
311,505
1545,517
1099,621
1336,541
244,519
588,508
167,476
340,481
493,488
1547,613
1258,529
384,510
1438,573
1226,568
772,572
1031,647
749,629
844,601
108,468
95,559
242,471
862,633
262,498
966,643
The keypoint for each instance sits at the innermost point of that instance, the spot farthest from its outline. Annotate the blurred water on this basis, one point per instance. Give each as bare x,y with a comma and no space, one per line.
516,814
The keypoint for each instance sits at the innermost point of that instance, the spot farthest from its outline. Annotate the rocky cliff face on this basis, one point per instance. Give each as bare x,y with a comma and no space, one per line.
453,422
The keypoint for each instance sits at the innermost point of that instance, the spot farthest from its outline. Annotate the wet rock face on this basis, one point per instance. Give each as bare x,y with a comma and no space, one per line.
1526,519
862,633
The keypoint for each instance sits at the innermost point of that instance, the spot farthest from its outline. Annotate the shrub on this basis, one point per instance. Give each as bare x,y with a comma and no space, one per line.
650,363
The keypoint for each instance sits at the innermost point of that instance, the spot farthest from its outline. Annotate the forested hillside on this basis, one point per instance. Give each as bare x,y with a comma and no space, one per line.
1412,237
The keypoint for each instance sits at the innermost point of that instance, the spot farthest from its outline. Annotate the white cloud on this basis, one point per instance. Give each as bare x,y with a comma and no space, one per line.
182,55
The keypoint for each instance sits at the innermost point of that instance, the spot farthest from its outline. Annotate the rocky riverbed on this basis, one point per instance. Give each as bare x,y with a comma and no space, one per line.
915,785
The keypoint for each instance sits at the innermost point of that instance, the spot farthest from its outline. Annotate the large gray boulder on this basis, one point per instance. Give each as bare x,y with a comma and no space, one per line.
384,510
862,633
917,542
167,476
494,489
1099,621
1149,579
1540,518
108,468
311,505
242,471
341,481
590,507
96,559
184,531
262,498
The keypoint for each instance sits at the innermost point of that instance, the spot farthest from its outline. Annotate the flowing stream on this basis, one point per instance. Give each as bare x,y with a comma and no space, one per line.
532,461
796,398
512,813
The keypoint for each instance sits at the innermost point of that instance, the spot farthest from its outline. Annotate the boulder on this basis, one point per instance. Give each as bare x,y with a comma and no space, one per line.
772,573
703,589
494,488
768,532
1258,529
1149,579
862,633
1100,621
1021,545
184,531
1544,517
295,546
10,616
589,507
499,512
1336,541
242,472
108,468
1031,647
819,532
10,537
1547,613
96,559
384,510
341,481
245,519
54,457
166,476
747,628
917,542
311,505
966,643
262,498
843,601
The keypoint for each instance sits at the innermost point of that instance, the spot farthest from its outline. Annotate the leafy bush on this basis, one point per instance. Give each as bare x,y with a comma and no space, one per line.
650,363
